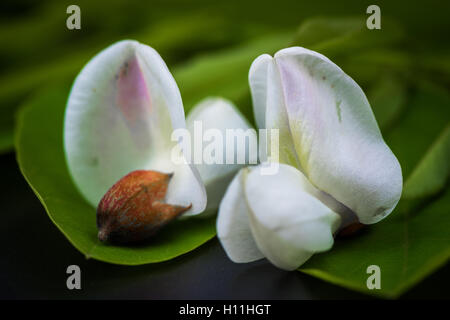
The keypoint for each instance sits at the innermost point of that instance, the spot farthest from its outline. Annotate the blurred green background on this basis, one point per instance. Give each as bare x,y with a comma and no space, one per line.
404,68
37,48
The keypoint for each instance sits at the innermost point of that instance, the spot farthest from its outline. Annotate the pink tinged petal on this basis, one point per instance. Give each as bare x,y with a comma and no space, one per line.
120,115
133,99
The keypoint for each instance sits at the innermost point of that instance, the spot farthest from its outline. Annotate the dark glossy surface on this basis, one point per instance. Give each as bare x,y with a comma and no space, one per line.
35,255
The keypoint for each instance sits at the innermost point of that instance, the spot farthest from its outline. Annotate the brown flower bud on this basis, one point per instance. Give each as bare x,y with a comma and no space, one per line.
133,209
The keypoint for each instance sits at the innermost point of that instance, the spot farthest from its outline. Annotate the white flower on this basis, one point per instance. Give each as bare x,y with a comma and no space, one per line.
216,116
334,163
121,113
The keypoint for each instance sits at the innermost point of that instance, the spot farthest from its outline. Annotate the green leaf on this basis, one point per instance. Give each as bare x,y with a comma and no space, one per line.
387,98
426,115
41,160
407,247
432,173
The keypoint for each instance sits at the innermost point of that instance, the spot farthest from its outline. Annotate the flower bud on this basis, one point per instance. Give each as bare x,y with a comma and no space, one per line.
133,209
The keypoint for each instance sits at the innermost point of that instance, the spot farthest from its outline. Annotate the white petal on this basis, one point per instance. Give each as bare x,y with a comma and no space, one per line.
258,85
336,137
288,222
233,229
268,107
215,116
121,111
